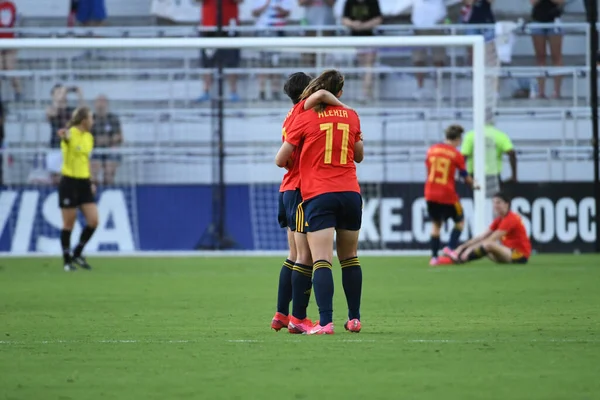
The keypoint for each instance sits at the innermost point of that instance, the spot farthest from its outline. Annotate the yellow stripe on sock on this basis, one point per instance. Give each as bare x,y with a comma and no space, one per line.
303,268
304,272
321,265
351,264
288,265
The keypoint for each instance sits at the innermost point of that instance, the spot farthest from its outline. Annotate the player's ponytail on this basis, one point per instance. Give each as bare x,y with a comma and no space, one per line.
79,115
331,80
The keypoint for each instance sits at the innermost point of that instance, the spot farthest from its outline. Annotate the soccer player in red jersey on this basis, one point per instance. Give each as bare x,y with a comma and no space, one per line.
331,144
505,242
443,160
299,259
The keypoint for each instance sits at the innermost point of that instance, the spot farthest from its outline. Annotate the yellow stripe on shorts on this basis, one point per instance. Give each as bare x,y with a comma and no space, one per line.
300,219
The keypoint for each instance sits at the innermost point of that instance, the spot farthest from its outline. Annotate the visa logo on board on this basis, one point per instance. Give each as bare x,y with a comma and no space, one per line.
32,222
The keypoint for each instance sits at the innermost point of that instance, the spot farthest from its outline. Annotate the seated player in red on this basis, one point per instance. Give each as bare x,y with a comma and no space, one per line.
299,259
331,144
443,203
505,242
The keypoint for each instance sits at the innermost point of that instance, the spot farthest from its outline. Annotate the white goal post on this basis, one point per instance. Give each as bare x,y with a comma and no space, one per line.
306,44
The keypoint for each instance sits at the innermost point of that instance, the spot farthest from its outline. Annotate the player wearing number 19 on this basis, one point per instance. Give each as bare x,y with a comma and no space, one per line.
76,189
443,160
331,144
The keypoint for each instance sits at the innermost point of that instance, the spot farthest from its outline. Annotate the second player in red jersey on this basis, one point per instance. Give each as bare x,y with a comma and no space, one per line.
505,241
331,143
443,162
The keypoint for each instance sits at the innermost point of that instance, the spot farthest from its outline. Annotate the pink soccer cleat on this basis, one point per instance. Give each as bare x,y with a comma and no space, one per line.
434,261
451,254
299,326
353,325
321,330
279,321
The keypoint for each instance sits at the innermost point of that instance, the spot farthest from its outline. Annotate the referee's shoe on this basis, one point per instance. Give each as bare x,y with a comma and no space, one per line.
81,262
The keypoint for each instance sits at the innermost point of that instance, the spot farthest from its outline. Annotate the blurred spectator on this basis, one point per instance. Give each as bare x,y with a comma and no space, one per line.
426,14
230,58
107,134
547,11
270,14
58,114
90,12
8,58
362,17
478,12
1,142
317,13
72,18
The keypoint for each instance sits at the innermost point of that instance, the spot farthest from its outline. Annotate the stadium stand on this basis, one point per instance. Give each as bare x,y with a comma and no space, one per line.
154,92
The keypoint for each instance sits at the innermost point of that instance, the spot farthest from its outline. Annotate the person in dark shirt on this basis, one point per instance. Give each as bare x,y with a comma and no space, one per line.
107,135
478,12
362,17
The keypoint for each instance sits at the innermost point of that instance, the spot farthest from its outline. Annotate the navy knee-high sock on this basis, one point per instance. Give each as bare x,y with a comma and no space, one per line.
477,254
301,288
454,238
284,291
352,282
435,246
323,288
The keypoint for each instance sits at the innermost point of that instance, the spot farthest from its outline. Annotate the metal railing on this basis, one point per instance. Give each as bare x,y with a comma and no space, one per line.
293,27
192,164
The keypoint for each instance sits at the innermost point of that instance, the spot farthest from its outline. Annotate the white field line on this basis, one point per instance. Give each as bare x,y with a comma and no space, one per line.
298,340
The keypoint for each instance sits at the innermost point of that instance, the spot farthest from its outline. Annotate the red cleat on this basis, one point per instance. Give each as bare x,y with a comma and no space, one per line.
279,321
299,326
443,260
353,325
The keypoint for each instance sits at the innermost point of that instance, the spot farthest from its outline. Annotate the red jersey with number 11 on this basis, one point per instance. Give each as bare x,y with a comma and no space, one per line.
291,179
327,157
442,163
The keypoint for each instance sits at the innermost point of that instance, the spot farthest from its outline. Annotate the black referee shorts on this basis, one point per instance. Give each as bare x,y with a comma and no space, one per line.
73,192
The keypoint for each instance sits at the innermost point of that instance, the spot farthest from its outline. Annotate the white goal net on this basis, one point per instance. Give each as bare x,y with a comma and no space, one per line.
178,172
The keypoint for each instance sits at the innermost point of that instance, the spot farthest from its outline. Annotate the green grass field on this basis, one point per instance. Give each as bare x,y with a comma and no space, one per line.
198,328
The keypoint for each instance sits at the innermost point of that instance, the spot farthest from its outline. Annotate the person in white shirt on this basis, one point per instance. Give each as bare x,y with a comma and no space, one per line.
270,15
426,14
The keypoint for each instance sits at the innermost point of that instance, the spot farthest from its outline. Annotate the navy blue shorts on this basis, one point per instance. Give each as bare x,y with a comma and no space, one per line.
342,210
439,212
90,10
288,205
